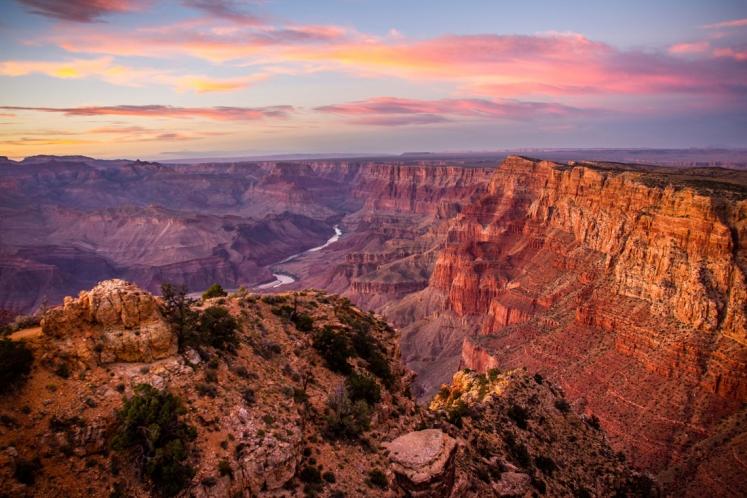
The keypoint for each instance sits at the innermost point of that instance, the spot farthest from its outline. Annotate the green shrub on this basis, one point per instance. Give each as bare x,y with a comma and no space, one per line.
26,471
593,422
493,374
329,477
214,290
363,387
310,475
218,328
378,479
545,464
16,360
224,468
456,411
150,426
519,415
562,405
333,347
346,419
303,322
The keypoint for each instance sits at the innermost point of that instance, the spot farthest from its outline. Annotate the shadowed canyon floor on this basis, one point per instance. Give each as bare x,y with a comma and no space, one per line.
623,284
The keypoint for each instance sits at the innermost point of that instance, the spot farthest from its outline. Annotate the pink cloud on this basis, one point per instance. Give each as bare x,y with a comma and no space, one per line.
735,23
80,10
390,111
163,111
690,48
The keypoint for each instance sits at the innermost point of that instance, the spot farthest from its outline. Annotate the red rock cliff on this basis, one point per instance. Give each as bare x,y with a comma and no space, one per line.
628,287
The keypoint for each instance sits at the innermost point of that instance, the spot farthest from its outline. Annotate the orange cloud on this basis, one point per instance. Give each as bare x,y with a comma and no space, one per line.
105,69
171,112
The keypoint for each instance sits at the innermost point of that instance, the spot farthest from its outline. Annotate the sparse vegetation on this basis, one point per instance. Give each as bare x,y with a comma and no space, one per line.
332,345
519,415
303,322
150,426
346,419
26,470
363,387
16,360
214,290
562,405
377,479
218,328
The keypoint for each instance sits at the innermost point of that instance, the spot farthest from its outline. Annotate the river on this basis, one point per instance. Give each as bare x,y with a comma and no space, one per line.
285,279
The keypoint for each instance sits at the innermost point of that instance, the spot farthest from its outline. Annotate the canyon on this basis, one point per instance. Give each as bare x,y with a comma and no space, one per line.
624,284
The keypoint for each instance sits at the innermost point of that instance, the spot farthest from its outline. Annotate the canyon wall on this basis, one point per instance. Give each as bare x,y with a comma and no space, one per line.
627,287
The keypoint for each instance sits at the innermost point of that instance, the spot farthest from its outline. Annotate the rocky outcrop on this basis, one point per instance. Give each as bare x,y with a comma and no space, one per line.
114,321
423,462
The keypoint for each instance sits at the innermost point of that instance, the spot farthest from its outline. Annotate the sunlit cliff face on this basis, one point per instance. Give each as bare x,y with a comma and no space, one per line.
191,78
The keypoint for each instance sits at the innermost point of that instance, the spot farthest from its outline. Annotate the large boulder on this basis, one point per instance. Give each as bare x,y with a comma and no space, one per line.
114,321
424,463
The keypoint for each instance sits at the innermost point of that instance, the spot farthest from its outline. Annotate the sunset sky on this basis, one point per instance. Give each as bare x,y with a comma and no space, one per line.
191,78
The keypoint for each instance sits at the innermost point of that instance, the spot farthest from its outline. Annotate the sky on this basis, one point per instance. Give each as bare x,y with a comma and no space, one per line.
198,78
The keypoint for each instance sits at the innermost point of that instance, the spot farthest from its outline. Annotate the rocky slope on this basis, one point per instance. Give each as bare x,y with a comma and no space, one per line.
263,411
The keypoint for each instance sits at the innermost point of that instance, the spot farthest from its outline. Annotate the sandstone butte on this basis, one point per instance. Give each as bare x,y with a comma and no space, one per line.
275,441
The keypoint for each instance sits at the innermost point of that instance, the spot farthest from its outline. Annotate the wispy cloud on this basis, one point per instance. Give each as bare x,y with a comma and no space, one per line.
84,11
390,111
225,9
734,23
164,111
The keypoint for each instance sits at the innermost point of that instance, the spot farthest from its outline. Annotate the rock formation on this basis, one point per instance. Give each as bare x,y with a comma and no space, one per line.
423,462
114,321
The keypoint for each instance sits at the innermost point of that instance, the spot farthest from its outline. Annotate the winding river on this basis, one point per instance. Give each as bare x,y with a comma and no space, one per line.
284,278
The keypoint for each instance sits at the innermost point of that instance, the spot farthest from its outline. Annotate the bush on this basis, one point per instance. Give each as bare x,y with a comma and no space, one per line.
26,471
329,477
333,347
16,360
370,350
456,411
363,387
378,479
218,328
177,309
519,415
545,464
346,419
303,322
224,468
562,405
214,290
593,422
310,475
150,426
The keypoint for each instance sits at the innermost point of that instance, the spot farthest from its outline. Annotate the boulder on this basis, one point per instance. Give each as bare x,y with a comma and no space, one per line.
424,462
114,321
